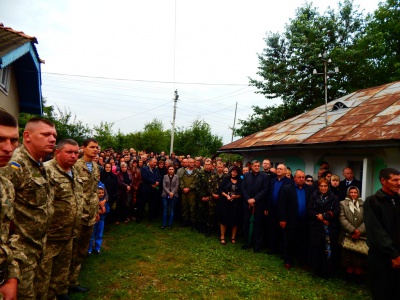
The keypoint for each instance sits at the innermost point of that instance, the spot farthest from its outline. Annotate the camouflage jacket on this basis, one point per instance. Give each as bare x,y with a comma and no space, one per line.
188,180
67,195
91,200
7,243
206,183
32,205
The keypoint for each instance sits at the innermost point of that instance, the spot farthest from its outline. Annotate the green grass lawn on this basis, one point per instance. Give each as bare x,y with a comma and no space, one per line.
141,261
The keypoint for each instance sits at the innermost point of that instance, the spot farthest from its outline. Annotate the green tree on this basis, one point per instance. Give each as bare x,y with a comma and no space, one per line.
287,63
104,134
153,138
381,44
66,124
197,140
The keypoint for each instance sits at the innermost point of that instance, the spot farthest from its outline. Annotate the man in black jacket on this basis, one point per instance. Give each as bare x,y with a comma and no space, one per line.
292,206
254,192
274,230
382,223
348,181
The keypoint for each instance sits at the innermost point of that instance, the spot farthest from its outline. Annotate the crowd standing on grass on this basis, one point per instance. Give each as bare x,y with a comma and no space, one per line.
57,199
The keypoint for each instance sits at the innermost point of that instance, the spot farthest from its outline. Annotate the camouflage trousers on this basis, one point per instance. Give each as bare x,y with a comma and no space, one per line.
189,211
26,287
52,279
79,252
208,212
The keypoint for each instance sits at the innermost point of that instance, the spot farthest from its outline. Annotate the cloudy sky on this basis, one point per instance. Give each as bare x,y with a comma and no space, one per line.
121,61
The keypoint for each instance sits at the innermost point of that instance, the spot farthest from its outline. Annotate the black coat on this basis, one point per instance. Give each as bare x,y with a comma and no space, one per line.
316,228
255,186
288,204
343,188
382,223
110,181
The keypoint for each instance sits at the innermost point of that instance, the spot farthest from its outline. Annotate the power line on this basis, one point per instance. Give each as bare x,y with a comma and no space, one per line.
142,80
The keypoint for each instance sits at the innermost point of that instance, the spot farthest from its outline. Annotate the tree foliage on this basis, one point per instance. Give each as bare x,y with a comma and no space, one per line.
197,139
366,50
67,124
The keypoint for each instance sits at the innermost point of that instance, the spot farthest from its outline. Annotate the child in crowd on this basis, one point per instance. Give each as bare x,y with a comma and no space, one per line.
335,180
97,235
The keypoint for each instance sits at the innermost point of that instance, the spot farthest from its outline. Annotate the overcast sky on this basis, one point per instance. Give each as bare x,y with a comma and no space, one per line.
120,61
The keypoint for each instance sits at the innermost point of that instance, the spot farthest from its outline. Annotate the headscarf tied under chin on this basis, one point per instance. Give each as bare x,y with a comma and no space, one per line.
353,204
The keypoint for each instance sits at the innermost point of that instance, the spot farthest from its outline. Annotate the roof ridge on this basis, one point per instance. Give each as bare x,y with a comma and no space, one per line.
20,33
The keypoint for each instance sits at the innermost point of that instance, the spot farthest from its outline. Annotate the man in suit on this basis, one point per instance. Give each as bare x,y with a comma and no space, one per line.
292,205
254,191
347,182
151,184
274,230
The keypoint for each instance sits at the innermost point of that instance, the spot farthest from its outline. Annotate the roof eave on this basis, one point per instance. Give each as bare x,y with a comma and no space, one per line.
336,145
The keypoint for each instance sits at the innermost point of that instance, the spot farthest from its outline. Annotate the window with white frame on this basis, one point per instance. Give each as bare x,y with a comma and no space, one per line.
5,79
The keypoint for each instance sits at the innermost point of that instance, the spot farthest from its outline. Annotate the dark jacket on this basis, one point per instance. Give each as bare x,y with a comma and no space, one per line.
288,204
270,206
149,178
110,181
382,223
255,186
315,207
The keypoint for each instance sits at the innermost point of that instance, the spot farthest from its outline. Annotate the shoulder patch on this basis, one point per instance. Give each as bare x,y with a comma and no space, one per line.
15,165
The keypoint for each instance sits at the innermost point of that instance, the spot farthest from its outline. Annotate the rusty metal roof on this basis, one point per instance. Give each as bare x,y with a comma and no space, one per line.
369,116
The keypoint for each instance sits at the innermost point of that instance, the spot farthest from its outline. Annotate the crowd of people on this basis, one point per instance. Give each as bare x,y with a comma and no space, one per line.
57,199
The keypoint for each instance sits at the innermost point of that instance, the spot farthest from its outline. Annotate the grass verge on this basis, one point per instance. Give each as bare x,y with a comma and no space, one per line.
141,261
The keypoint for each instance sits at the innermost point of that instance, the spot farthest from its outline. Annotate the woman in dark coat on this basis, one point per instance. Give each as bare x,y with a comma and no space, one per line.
110,181
323,210
124,193
230,204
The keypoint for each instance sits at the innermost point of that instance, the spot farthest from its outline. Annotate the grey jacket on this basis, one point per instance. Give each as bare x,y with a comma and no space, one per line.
170,186
349,221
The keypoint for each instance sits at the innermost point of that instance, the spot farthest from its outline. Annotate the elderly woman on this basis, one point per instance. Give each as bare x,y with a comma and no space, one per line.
229,204
323,211
124,193
169,196
352,223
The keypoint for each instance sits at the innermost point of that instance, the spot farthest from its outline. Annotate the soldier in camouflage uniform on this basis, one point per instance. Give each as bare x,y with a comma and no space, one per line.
33,205
67,191
207,194
90,175
187,184
9,269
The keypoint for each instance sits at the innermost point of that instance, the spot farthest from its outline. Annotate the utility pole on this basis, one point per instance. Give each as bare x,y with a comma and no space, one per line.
176,96
234,122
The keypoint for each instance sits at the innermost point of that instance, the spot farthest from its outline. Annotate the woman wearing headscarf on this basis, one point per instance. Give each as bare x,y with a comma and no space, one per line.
124,193
230,204
352,223
110,181
323,210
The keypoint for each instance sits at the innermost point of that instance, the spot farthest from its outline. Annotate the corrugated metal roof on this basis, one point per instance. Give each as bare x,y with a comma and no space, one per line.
11,39
369,115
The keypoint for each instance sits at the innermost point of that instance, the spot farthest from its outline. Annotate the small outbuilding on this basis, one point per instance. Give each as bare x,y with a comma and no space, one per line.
360,130
20,73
